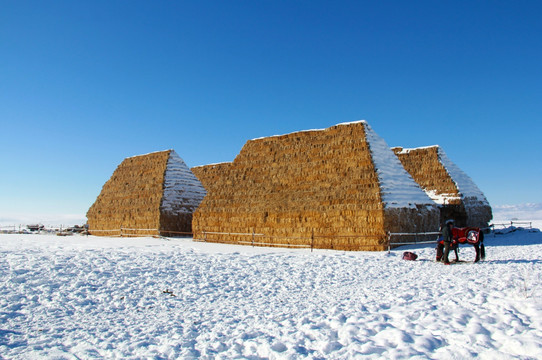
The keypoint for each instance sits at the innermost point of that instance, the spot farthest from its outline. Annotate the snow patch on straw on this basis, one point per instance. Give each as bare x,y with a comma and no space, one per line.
183,192
398,188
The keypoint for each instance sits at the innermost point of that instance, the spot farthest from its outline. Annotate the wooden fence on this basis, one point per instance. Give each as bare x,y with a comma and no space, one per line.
133,232
312,242
257,239
512,223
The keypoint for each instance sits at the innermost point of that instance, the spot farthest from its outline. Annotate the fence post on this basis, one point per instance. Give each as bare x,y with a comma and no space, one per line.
389,241
312,240
121,231
252,237
205,236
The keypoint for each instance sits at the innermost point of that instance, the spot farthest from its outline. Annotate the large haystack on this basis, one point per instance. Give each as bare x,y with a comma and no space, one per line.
340,188
210,174
456,194
157,192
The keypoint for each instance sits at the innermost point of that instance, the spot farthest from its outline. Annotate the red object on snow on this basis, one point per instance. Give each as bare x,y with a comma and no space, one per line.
407,255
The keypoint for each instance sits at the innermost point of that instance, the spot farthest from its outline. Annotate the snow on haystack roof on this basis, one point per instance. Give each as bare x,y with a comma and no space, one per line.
464,184
407,150
151,153
183,192
310,130
397,187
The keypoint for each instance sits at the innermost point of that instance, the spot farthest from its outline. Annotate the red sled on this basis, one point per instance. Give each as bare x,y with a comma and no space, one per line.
407,255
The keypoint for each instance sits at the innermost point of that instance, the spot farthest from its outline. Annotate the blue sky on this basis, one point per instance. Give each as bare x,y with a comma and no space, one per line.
84,84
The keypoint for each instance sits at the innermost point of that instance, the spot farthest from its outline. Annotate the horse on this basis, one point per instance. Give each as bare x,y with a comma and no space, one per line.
467,235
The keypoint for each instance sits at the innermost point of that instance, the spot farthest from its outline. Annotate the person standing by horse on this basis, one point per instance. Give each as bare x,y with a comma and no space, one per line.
447,237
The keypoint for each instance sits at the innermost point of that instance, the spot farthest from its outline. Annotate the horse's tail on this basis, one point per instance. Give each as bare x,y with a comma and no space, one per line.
482,247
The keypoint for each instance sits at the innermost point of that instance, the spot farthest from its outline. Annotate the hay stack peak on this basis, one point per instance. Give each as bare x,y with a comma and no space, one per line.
209,175
155,191
341,186
398,188
445,183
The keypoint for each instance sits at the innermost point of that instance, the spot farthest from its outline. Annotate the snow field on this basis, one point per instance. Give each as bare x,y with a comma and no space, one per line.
93,298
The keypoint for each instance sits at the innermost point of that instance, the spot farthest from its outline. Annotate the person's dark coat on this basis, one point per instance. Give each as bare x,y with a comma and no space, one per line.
447,233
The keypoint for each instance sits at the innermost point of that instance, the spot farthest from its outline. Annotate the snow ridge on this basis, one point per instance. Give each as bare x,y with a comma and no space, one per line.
408,150
397,187
443,198
183,192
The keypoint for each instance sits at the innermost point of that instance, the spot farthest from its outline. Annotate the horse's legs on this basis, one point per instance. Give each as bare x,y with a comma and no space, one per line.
456,253
446,252
440,249
477,248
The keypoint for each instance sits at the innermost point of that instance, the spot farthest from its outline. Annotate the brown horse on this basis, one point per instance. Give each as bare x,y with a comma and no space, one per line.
466,235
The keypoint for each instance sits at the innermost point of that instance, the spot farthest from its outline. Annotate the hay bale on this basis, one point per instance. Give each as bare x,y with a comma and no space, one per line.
209,174
155,191
318,188
456,194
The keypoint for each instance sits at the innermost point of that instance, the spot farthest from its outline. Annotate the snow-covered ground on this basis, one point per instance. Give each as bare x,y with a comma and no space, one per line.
93,298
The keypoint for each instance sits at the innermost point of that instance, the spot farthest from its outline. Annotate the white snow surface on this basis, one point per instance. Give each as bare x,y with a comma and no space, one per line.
183,192
139,298
397,187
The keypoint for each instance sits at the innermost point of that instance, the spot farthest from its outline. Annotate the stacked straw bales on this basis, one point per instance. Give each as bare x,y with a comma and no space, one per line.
318,187
455,193
209,175
152,193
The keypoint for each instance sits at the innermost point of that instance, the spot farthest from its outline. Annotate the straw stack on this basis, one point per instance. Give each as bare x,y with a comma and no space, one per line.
154,193
315,187
426,166
208,175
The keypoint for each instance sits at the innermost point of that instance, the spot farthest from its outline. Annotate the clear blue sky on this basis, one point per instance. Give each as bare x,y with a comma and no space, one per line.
84,84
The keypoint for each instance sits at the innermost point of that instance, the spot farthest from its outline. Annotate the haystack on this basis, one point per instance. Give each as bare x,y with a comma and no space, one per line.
209,175
340,188
454,191
147,195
